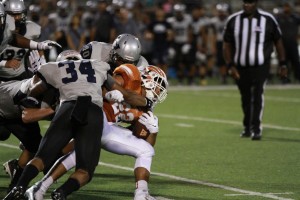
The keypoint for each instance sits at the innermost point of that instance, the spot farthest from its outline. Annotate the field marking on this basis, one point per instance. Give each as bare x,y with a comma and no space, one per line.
265,193
224,187
184,125
212,120
232,87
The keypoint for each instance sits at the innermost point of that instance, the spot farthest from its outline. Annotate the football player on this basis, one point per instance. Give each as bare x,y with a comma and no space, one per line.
126,48
7,37
117,139
12,95
79,83
12,65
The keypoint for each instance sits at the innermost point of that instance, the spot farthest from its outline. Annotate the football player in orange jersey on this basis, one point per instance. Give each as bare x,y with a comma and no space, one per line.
117,139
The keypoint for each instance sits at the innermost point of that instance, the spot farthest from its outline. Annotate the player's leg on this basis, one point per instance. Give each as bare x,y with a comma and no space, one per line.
87,142
119,140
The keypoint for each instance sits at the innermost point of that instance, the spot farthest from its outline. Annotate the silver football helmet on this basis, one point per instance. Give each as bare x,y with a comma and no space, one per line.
155,82
126,49
69,55
2,19
16,7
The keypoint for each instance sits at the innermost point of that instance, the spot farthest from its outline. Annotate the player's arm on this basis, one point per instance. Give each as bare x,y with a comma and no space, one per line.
152,138
35,114
23,42
129,96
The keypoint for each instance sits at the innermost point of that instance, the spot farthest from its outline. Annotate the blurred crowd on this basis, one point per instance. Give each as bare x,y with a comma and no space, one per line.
184,38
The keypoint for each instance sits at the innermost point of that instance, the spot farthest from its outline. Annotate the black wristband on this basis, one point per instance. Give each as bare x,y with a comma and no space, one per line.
149,103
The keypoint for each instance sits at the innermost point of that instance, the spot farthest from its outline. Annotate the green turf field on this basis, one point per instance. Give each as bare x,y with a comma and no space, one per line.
199,154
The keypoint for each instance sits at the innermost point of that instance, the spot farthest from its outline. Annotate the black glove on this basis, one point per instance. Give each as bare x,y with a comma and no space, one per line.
29,102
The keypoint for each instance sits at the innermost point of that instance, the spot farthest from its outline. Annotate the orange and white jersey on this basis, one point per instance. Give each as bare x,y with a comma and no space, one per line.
123,112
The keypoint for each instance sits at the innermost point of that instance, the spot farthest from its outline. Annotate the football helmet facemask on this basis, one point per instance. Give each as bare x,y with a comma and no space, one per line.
154,80
68,55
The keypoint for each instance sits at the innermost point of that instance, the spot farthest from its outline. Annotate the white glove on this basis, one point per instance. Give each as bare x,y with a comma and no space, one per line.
35,61
114,95
47,44
150,121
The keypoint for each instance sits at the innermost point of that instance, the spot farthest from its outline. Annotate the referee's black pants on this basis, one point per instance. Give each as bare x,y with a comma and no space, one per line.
251,86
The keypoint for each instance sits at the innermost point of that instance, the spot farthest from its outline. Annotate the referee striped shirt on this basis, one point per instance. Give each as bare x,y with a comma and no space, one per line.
252,38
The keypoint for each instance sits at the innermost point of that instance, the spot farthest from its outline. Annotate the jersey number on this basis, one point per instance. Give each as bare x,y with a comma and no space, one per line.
9,54
85,67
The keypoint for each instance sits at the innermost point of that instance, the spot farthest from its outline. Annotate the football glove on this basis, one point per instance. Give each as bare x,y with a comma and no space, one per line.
47,44
29,102
35,61
114,95
150,121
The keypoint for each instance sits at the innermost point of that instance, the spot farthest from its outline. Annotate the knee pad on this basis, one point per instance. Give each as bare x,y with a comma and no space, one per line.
4,133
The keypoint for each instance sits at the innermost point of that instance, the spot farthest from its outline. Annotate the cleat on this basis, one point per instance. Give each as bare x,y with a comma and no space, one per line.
10,167
142,195
245,134
58,194
17,193
35,192
256,136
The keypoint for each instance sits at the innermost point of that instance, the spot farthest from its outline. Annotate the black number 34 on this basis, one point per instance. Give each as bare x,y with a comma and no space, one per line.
85,67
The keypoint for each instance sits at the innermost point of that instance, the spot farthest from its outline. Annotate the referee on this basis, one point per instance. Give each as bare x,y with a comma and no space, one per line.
249,37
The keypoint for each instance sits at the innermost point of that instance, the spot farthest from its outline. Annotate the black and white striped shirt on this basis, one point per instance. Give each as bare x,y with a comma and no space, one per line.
252,38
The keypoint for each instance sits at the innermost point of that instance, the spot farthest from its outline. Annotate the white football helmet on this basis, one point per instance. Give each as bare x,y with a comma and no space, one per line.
68,55
126,48
154,80
16,7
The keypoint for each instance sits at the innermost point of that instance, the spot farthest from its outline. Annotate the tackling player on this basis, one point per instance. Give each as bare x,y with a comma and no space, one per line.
12,65
75,80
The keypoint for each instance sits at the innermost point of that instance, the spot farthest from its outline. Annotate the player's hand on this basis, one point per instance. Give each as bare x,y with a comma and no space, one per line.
47,44
13,63
283,72
233,72
35,61
114,95
150,121
29,102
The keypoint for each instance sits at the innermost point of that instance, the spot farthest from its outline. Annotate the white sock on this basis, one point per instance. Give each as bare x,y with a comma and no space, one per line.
46,183
141,185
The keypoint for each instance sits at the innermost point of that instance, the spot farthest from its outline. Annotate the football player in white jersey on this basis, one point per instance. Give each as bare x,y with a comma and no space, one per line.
79,83
11,101
7,37
12,65
126,48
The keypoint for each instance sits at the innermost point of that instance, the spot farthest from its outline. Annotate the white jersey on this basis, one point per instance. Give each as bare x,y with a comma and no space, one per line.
33,32
8,91
180,28
101,51
7,38
76,78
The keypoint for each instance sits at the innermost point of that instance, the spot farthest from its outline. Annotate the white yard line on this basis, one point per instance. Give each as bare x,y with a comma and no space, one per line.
212,120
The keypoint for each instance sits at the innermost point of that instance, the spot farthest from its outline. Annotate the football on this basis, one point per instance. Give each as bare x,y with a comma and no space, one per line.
140,130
